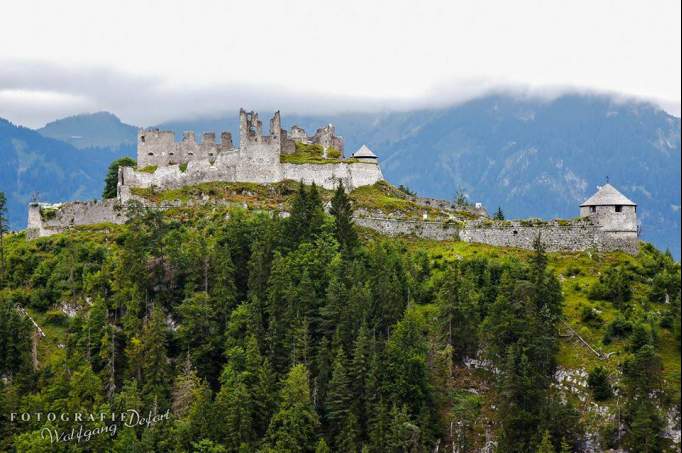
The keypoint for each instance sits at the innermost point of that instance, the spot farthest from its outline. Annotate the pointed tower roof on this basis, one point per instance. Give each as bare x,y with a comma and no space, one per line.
607,195
364,151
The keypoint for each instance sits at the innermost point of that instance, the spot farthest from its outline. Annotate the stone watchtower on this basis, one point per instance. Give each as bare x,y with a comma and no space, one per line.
612,211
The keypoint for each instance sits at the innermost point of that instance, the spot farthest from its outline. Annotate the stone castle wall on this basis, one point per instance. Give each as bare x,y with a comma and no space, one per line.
573,235
159,148
230,167
47,220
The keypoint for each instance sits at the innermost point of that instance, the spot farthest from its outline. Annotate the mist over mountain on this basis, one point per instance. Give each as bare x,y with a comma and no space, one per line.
532,157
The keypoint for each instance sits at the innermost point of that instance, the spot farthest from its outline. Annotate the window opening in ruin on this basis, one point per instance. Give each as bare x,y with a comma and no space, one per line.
150,154
142,138
619,208
593,209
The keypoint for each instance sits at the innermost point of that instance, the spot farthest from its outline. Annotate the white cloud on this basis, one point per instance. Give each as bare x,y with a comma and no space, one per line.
149,60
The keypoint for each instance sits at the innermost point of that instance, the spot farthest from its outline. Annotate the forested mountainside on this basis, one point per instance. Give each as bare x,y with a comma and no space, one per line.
241,331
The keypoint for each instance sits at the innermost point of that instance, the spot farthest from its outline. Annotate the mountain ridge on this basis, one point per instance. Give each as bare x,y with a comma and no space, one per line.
48,169
86,130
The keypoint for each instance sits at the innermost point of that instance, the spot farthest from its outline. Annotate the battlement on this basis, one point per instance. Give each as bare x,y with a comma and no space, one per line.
156,148
324,136
160,148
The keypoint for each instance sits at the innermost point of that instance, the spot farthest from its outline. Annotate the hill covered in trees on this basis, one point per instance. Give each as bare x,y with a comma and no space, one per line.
234,330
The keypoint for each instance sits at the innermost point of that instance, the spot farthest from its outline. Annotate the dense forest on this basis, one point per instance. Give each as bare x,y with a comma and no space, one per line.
241,331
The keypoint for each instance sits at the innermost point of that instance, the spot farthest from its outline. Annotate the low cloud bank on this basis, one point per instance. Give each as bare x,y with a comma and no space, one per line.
34,93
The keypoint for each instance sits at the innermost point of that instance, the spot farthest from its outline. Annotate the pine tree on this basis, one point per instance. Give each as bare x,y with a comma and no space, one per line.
297,224
406,366
334,313
294,427
15,341
458,313
278,311
403,435
344,231
598,381
324,363
388,283
322,447
244,403
184,389
108,354
379,427
642,376
348,439
339,397
201,333
315,211
155,364
359,368
302,347
259,266
499,215
546,444
191,400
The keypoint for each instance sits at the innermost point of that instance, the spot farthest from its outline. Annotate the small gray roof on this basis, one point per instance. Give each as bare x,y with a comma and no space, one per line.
364,151
607,195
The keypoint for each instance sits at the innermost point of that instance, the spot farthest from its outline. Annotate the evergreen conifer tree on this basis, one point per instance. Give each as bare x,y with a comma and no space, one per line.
342,210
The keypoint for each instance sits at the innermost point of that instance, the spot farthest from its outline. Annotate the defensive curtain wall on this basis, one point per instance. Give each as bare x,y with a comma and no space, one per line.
557,235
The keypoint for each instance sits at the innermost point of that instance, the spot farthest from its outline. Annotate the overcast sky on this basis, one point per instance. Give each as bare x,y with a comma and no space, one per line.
149,61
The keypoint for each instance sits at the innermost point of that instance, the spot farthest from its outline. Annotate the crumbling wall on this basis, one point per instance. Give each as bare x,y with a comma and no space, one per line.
298,134
558,235
159,148
438,231
224,168
231,167
573,235
326,136
256,149
44,221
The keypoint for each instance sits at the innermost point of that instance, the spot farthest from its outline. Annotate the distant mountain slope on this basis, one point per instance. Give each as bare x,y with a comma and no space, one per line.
101,129
533,158
56,171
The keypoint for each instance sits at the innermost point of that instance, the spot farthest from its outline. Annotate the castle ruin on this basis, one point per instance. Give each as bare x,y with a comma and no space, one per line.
607,222
163,163
157,148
